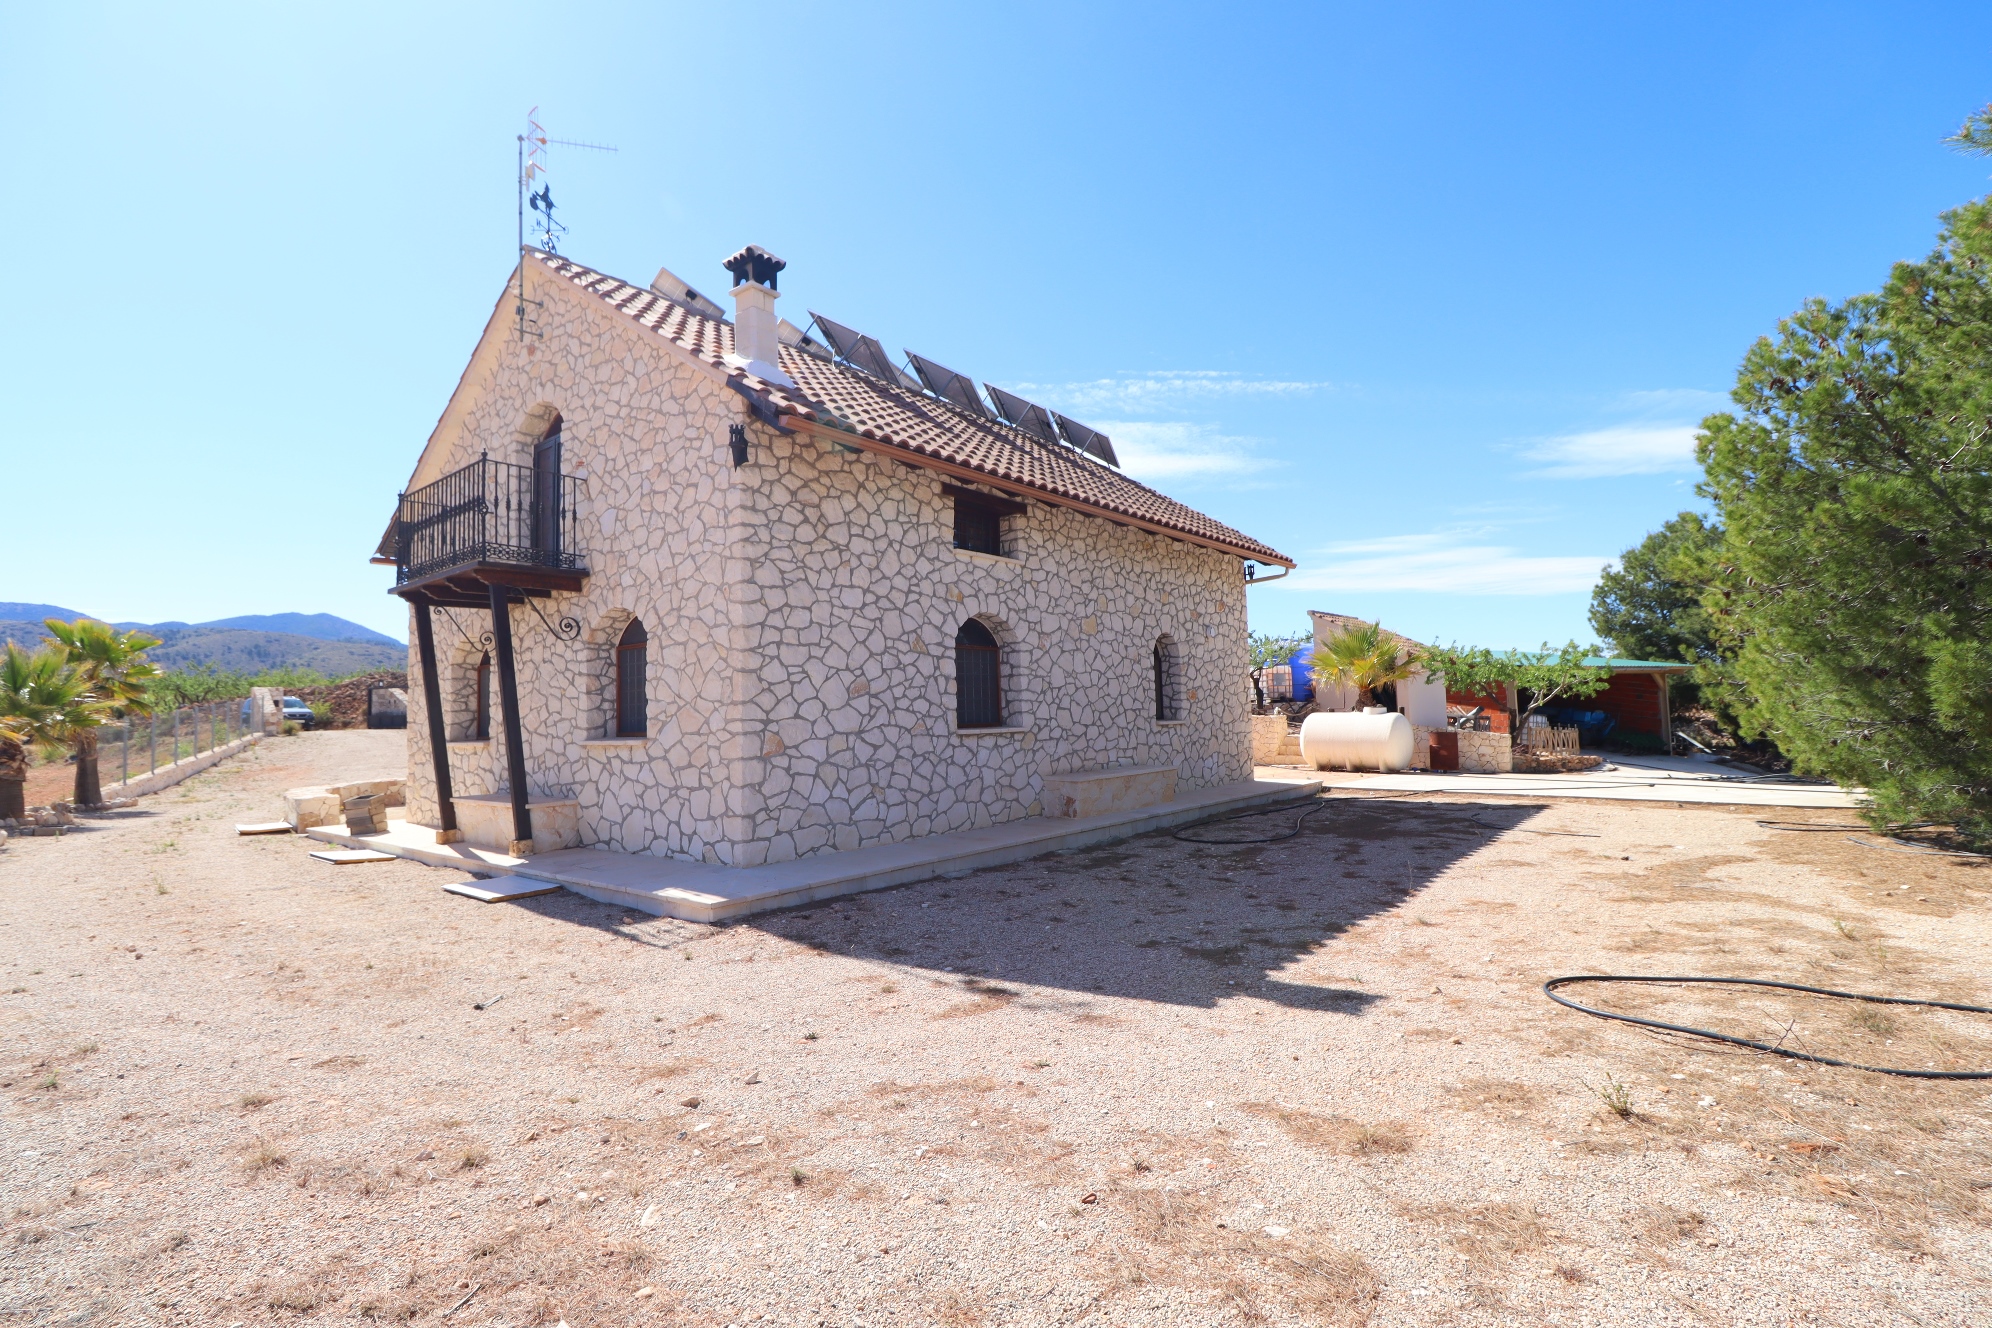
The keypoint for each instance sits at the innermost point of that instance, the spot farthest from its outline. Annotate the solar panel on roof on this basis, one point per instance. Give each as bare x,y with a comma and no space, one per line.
945,383
1090,441
862,352
791,335
1032,419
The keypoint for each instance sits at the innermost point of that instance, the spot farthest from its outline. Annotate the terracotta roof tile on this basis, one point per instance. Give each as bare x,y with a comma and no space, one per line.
855,402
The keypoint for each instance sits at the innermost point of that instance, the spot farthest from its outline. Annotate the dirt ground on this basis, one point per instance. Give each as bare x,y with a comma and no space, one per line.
1305,1082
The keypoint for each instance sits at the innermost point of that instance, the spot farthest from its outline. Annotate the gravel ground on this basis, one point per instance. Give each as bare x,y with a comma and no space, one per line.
1304,1082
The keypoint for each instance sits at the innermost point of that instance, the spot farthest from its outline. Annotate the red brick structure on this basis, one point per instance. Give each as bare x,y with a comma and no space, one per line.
1636,700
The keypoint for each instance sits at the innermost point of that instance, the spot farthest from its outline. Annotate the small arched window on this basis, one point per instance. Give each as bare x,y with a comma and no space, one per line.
978,678
481,697
632,699
1167,682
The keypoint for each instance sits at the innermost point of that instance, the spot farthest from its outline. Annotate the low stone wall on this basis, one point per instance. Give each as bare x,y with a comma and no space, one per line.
1083,793
307,808
1421,746
166,776
1485,753
1269,733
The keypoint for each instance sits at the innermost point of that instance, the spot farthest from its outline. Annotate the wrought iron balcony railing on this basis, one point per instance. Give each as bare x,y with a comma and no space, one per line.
490,512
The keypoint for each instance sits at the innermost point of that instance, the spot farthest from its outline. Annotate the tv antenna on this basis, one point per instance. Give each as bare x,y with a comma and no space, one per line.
546,231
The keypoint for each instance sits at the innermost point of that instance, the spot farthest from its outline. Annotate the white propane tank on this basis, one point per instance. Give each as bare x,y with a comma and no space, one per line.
1377,740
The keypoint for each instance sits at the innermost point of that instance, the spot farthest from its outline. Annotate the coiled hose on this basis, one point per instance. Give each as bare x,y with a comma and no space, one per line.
1549,990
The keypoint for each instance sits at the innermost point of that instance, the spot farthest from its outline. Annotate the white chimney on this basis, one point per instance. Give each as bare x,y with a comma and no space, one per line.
757,346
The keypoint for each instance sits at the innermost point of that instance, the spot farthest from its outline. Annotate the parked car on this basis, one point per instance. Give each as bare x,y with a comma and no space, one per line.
295,712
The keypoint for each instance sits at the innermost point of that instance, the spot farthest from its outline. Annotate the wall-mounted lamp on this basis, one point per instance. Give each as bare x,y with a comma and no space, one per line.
737,435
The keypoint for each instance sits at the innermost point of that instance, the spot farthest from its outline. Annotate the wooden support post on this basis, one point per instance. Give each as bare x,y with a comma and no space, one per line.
439,745
515,741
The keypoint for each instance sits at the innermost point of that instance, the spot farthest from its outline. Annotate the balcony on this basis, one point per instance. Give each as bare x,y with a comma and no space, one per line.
489,524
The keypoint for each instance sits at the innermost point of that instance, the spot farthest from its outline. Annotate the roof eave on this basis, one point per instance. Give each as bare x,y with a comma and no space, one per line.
809,421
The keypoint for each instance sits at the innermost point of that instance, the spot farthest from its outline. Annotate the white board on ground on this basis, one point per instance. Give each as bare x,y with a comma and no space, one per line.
343,856
503,891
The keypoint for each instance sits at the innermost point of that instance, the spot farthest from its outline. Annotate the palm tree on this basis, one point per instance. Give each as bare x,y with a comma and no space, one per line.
1364,657
115,670
44,703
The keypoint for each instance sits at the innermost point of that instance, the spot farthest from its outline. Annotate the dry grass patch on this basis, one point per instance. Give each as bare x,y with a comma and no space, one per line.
1491,1233
295,1297
1663,1226
1504,1097
669,1069
263,1157
1337,1134
989,997
339,1063
1163,1236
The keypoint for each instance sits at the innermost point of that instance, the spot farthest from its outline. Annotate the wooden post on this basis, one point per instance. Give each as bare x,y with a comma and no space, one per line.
1666,714
515,741
439,746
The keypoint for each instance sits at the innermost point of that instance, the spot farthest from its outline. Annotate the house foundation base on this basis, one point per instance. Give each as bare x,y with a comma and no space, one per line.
701,892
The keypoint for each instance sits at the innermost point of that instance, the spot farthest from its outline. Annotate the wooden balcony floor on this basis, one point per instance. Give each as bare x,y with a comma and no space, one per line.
469,585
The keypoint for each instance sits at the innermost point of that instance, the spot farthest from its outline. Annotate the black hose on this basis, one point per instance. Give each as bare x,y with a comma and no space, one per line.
1573,834
1895,845
1549,990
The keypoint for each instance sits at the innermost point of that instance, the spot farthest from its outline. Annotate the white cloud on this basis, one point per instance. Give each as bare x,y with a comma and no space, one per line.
1626,449
1163,390
1443,563
1158,452
1677,400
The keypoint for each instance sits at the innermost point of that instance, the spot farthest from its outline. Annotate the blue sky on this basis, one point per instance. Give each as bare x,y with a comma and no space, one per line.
1428,297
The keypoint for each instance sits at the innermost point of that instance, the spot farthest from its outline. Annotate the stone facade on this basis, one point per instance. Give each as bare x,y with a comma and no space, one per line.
801,612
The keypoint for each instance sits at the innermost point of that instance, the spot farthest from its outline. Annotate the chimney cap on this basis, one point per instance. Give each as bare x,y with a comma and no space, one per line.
754,264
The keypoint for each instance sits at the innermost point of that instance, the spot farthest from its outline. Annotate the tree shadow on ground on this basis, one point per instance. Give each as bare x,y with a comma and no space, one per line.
1156,918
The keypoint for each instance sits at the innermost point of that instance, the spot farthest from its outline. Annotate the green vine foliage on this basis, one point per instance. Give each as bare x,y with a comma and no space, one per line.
1850,593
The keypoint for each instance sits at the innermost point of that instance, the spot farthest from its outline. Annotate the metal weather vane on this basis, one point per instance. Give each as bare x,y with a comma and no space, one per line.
532,145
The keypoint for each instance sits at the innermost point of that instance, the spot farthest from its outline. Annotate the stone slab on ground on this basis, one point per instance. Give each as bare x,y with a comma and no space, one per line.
701,892
504,889
347,856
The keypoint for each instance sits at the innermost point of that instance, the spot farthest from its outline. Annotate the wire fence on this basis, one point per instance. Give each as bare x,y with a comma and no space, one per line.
141,744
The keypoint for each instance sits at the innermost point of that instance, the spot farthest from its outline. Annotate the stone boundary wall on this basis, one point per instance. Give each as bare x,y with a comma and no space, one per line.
166,776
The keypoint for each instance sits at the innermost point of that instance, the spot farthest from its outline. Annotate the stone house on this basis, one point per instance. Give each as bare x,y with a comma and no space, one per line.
721,591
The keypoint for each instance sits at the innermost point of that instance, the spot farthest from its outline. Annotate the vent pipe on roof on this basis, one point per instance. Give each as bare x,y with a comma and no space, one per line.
757,346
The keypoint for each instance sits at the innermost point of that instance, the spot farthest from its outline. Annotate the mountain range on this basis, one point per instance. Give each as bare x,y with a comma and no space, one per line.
249,643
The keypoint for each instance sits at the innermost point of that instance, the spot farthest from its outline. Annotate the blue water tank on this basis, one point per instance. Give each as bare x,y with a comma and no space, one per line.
1303,677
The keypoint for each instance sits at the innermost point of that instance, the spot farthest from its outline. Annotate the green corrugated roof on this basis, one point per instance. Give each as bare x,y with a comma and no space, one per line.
1633,665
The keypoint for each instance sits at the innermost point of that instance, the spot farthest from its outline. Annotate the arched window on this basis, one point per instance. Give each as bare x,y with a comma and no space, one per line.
632,700
978,678
1168,704
481,729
